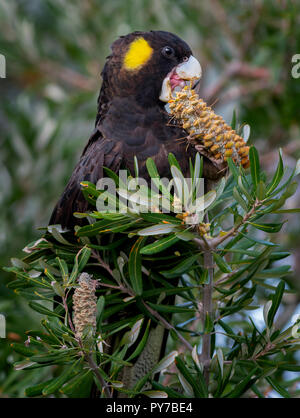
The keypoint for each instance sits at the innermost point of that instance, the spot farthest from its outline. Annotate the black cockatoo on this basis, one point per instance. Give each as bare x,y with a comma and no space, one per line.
138,79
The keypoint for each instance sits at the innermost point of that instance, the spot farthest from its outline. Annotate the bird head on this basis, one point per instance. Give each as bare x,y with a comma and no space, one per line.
149,66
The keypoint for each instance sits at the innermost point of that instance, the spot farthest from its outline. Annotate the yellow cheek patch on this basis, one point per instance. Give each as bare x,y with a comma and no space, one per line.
138,54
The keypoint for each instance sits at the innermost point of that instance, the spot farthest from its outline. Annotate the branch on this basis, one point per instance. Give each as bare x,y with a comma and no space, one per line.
167,325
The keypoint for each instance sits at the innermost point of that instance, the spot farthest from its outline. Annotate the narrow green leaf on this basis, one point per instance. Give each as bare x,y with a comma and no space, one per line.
276,300
135,266
277,176
42,310
243,385
276,386
158,229
221,263
169,308
271,227
237,196
181,268
172,160
198,385
254,166
160,245
54,386
23,350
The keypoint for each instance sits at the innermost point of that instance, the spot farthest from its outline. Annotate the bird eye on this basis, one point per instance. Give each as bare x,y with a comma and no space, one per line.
168,52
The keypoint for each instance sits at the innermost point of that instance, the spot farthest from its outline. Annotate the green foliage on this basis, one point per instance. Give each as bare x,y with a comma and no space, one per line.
135,286
54,56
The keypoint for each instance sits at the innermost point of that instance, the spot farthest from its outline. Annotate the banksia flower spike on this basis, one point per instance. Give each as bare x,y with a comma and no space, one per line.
208,129
85,305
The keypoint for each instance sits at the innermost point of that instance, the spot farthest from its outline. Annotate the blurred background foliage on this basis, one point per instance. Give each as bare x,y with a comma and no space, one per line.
55,51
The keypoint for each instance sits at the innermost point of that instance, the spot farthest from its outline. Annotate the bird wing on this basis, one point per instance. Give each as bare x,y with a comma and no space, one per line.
98,152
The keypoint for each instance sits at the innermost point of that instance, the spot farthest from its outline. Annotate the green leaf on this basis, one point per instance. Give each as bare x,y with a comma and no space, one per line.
295,210
271,227
276,300
259,241
55,385
131,336
37,390
78,382
53,229
209,324
135,266
160,245
171,392
221,263
254,166
277,176
23,350
141,344
42,310
159,218
153,173
169,308
243,385
220,358
233,120
172,161
83,257
100,309
239,199
181,268
102,227
136,166
276,386
261,190
198,385
63,268
233,169
165,362
157,229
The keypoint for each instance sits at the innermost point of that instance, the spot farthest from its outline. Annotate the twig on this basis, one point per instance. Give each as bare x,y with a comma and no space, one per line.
207,310
167,325
95,370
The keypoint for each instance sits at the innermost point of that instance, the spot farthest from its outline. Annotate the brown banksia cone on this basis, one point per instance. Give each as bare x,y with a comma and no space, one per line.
85,305
208,130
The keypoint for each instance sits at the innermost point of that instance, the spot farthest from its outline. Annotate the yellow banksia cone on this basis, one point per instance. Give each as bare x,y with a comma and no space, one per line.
207,128
85,305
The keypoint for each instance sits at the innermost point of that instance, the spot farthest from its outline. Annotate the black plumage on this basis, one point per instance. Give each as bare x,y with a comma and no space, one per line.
131,121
